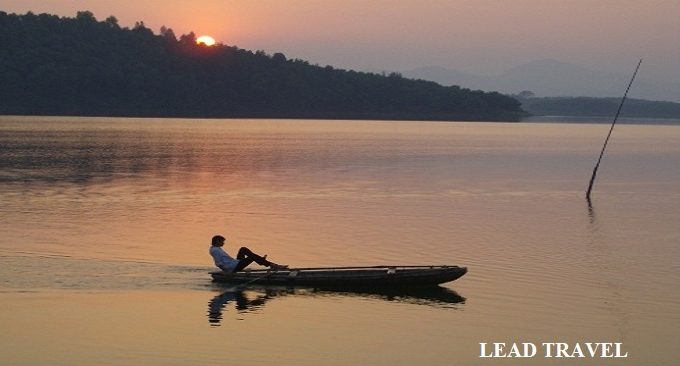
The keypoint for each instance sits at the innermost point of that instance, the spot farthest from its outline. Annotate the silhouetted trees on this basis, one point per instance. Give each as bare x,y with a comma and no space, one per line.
79,66
597,107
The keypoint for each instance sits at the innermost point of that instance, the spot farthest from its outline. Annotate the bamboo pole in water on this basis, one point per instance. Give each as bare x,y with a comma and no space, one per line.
606,141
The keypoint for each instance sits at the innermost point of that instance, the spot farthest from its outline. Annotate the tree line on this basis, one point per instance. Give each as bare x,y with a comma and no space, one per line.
598,107
51,65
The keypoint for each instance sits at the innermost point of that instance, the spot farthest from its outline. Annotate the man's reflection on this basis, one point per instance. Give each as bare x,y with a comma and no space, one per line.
243,304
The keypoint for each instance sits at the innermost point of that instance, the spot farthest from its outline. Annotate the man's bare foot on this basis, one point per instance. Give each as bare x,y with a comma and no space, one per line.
277,267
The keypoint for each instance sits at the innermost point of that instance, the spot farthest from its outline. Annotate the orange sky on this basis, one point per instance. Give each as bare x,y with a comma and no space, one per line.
483,36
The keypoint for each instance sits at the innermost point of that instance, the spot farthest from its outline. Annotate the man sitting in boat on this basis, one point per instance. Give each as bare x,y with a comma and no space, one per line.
244,257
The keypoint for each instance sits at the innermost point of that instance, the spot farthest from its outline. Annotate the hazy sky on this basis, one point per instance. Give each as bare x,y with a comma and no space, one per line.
482,36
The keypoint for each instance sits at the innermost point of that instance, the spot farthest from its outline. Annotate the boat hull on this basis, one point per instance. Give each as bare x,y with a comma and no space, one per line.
380,276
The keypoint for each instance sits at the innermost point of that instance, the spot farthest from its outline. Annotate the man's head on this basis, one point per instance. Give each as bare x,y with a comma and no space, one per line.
218,240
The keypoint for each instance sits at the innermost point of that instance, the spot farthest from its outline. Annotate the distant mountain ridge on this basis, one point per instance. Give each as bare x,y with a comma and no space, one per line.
551,78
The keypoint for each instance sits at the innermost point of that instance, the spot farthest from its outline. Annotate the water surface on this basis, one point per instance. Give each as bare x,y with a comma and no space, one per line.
105,225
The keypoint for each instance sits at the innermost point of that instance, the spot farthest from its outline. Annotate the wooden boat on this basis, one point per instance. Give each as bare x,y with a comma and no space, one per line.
328,277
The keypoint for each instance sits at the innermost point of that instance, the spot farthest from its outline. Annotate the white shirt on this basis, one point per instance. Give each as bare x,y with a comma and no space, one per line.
223,260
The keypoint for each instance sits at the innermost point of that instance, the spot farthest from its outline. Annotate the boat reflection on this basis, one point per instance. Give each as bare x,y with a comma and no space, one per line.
253,299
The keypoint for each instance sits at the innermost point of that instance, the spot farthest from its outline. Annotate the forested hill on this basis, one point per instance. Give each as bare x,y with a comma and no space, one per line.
599,107
52,65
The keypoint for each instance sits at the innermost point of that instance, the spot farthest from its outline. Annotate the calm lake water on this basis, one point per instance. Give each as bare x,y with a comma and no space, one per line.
105,226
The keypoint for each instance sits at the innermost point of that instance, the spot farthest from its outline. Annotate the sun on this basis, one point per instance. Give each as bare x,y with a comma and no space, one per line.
206,40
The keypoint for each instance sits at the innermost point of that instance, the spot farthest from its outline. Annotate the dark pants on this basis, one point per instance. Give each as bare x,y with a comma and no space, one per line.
245,257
